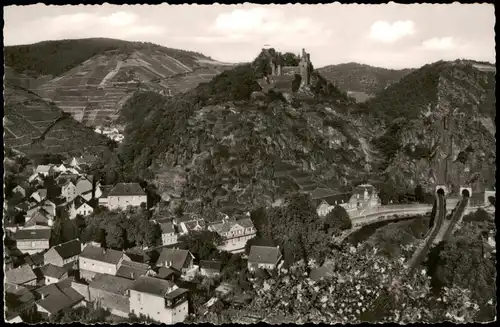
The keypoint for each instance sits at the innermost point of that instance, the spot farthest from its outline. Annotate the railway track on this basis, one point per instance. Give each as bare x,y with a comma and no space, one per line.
421,252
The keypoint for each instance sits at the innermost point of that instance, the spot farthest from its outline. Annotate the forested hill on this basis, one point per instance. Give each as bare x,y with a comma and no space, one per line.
361,81
443,110
57,57
225,141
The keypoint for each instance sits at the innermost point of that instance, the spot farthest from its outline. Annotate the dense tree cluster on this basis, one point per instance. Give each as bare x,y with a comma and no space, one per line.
337,221
89,314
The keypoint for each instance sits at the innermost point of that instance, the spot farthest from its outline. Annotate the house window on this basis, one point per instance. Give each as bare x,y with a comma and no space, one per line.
139,298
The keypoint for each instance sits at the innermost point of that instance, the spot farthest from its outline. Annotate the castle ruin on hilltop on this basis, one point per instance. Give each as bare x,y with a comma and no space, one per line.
282,77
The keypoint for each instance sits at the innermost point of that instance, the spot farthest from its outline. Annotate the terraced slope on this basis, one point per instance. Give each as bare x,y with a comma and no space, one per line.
94,82
34,126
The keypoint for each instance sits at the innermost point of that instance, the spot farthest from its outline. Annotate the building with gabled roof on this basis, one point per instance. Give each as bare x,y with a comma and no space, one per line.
53,274
168,233
93,260
21,189
57,297
64,253
103,198
68,190
133,270
40,219
325,205
180,260
159,299
18,300
123,195
235,233
83,185
21,276
187,227
39,195
263,257
43,170
210,267
32,240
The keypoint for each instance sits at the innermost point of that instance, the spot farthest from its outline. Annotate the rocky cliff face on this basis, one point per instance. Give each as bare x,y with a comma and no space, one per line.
448,137
231,153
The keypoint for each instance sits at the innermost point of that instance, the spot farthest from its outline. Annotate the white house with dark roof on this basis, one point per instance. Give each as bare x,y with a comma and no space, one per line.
123,195
159,299
196,225
53,274
168,234
32,240
235,233
94,260
364,196
263,257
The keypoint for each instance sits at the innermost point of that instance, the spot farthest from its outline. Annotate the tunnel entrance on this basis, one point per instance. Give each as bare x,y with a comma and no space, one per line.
440,191
466,193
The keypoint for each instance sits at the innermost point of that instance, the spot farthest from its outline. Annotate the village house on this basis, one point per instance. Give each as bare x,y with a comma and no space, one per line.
39,195
210,268
21,276
49,207
57,297
35,179
159,299
83,185
32,240
327,204
167,273
103,198
18,300
59,169
123,195
43,170
196,225
133,270
68,190
63,254
178,259
364,197
112,292
39,219
21,189
79,206
34,260
263,257
168,235
235,233
53,274
93,260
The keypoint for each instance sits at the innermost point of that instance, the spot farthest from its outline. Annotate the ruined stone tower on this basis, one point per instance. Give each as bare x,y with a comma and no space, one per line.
304,64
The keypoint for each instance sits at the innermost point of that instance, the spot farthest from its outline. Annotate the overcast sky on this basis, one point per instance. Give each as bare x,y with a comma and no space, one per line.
392,36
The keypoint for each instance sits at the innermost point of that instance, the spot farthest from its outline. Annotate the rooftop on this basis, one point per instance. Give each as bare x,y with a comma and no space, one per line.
69,249
32,234
101,254
111,284
132,270
57,299
123,189
151,285
20,275
264,254
54,271
176,257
